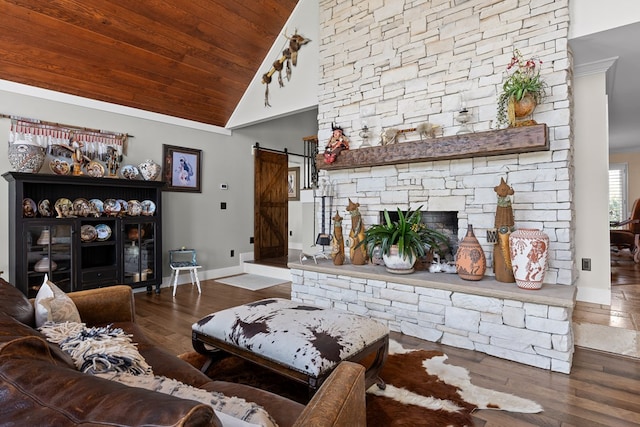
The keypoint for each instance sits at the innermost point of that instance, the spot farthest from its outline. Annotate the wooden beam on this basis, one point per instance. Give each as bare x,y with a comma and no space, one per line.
490,143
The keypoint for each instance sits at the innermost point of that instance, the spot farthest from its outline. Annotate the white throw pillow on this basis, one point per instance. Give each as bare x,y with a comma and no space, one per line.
53,305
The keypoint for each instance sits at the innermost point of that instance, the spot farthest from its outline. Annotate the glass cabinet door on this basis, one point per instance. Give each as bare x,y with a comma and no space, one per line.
48,249
139,253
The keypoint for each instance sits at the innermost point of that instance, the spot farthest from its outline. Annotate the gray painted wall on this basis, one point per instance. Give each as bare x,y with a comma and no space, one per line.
190,219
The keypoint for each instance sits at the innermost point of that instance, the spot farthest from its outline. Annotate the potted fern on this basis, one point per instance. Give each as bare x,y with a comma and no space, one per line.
401,242
522,90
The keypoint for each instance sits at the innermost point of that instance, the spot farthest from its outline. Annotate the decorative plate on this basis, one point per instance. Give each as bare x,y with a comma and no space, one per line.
29,208
44,207
112,207
64,207
124,207
129,172
148,208
82,207
134,208
59,167
95,169
88,233
104,232
97,206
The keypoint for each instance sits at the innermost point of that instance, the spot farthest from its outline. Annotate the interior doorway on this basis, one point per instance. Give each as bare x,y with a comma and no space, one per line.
271,204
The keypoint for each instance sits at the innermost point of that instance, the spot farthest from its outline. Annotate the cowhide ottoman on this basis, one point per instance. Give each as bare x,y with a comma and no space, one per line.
301,341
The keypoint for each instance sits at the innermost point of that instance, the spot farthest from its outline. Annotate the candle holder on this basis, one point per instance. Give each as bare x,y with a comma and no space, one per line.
365,134
463,117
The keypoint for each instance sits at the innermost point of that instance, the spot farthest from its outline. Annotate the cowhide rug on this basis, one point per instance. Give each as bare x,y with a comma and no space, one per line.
422,389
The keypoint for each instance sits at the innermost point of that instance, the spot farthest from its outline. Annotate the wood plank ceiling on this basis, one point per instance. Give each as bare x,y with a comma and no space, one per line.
191,59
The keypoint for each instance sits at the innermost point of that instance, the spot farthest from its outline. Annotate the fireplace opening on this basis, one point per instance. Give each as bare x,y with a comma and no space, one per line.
445,222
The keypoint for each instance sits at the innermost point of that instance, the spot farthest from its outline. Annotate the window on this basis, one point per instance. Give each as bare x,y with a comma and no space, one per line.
618,192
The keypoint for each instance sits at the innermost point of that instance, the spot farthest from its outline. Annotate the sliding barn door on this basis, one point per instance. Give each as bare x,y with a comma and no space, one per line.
271,205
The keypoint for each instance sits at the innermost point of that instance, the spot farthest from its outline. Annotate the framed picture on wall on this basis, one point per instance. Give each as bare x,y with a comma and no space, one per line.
293,183
182,168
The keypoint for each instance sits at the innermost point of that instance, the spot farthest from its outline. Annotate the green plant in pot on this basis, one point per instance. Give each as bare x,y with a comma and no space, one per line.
401,242
522,90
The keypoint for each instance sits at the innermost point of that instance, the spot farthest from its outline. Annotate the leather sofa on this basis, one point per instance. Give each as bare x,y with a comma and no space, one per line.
40,386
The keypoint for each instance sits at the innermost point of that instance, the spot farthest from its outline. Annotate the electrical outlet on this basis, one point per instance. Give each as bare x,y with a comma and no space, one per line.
250,239
586,264
223,205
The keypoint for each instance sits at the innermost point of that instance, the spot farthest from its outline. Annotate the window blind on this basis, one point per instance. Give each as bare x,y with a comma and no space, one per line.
618,192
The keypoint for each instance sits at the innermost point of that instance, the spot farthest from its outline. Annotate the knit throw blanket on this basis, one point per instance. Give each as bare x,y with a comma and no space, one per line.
110,353
98,349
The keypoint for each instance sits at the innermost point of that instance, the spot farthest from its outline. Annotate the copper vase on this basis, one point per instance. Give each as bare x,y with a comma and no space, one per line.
471,262
525,106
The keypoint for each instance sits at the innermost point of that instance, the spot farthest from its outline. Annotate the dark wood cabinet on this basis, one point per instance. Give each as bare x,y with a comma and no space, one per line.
127,249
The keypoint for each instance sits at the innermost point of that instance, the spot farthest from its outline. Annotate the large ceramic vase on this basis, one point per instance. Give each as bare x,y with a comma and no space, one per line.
529,256
26,156
471,263
149,170
396,264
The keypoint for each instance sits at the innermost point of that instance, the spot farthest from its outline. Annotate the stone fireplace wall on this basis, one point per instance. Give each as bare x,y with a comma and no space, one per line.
398,64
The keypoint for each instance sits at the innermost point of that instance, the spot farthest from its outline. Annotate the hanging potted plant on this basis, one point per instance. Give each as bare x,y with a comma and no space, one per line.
401,242
522,90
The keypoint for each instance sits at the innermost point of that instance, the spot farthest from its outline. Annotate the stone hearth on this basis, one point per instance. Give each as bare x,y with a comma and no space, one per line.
499,319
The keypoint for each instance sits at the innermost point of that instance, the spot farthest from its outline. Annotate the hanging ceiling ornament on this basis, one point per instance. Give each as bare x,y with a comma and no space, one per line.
289,56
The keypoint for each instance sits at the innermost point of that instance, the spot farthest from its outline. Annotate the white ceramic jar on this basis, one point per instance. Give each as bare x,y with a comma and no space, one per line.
529,257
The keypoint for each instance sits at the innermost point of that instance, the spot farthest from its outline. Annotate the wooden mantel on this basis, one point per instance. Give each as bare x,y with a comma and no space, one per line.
490,143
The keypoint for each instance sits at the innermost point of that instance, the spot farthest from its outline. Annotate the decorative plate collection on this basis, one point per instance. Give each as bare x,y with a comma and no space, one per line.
99,233
65,208
148,170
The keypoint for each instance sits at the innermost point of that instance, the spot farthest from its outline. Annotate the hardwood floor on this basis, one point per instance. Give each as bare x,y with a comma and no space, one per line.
624,311
602,389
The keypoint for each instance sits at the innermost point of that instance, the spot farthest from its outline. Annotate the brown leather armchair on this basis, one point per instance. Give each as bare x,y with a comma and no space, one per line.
628,237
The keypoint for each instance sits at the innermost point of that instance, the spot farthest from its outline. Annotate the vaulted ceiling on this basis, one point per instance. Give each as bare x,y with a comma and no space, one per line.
190,59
